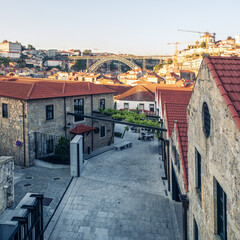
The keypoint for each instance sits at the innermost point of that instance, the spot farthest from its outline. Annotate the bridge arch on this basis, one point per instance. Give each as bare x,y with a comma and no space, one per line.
102,60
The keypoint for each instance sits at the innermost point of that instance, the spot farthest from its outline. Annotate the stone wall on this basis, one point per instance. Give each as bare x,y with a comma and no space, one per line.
6,183
11,129
220,159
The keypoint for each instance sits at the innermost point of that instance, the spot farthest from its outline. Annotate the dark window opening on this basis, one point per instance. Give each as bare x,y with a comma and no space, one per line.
126,105
195,227
4,110
103,131
206,120
221,213
141,106
49,146
198,170
49,112
102,104
151,107
78,109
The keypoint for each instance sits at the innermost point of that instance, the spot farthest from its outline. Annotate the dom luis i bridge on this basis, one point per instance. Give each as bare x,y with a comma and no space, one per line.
94,62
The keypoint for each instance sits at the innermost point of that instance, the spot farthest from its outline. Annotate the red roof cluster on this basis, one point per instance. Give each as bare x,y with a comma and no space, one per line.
181,96
79,129
137,93
28,89
226,73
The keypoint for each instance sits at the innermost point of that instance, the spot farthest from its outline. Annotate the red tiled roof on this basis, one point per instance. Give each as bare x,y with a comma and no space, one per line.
226,73
176,115
118,88
137,93
182,129
181,96
79,129
174,111
28,88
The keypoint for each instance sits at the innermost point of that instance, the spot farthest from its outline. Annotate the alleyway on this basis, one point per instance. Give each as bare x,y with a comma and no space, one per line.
120,196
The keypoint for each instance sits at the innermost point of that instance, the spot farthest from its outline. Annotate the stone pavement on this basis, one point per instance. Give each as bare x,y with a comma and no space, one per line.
120,196
50,182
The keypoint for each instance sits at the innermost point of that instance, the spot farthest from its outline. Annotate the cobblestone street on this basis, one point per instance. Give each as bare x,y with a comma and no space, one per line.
121,195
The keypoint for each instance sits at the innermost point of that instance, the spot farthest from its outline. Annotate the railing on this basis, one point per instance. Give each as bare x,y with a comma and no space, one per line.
30,226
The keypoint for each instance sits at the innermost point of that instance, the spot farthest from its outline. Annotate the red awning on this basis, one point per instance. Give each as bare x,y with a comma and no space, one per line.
79,129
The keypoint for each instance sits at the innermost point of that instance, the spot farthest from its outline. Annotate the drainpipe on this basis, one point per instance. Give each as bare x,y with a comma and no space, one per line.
185,204
24,137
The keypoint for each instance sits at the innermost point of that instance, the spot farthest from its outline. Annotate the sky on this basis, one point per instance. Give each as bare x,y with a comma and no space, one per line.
141,27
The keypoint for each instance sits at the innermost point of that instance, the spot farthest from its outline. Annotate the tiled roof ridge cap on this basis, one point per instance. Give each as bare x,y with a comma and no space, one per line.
31,90
182,158
223,92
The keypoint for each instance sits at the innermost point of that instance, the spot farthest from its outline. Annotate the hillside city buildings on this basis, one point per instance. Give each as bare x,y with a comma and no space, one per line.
195,96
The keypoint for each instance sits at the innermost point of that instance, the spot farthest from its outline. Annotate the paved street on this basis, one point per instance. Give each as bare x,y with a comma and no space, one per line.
49,182
120,196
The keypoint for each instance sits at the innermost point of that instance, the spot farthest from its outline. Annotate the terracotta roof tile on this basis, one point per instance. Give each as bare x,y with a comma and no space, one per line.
38,89
137,93
79,129
176,116
174,96
226,73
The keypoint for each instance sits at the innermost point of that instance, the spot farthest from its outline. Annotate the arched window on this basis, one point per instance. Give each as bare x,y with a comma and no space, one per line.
206,120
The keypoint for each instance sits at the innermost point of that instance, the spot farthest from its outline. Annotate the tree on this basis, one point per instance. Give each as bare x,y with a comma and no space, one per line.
169,61
31,47
229,38
62,149
87,52
157,67
203,45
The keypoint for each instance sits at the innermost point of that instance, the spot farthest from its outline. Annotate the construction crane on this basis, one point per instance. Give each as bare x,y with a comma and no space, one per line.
176,46
182,30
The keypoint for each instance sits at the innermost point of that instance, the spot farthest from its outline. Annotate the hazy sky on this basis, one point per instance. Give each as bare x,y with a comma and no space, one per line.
123,26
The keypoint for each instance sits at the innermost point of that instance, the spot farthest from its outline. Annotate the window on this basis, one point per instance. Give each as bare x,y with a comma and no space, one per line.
195,229
78,109
206,120
4,110
102,104
49,112
103,131
126,105
221,213
198,170
151,107
49,146
141,106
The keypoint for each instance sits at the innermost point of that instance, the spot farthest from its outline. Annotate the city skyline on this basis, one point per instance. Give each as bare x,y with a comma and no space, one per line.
135,27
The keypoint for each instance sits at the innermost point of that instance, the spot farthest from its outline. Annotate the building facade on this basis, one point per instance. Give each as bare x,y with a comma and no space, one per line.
34,114
213,151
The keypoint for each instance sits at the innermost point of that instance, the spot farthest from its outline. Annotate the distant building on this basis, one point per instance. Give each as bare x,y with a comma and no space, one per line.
52,53
237,39
137,97
10,49
54,63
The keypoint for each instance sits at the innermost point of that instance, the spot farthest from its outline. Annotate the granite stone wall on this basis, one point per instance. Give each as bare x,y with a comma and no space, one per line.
220,160
6,182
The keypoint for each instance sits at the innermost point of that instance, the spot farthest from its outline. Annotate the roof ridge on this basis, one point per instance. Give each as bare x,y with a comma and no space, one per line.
31,90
